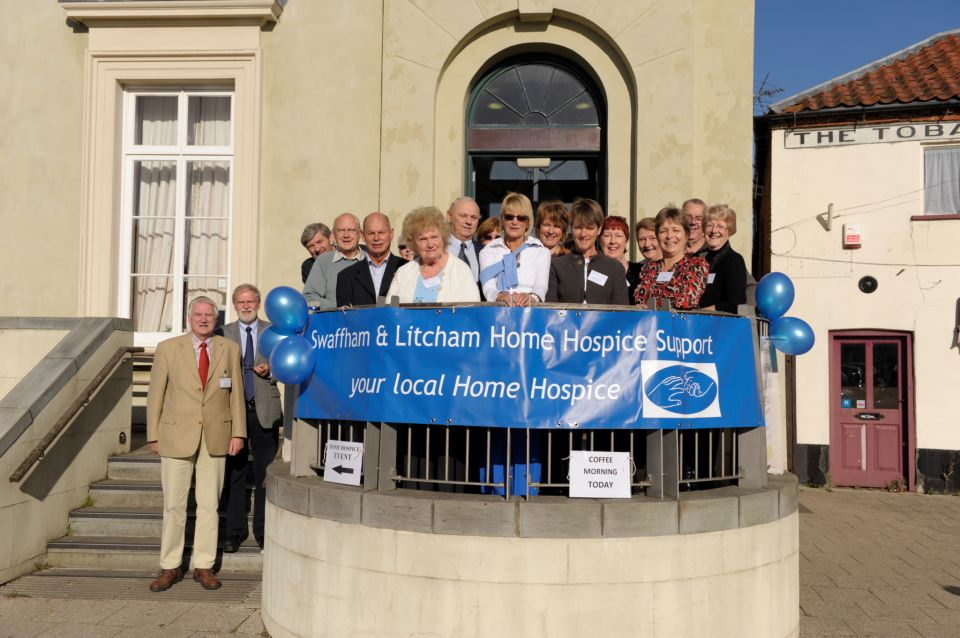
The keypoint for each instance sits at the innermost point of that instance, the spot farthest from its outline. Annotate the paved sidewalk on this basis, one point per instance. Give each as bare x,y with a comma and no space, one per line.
58,606
874,563
871,564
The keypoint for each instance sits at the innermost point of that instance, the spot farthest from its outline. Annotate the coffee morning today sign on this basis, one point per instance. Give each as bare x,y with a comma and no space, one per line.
539,367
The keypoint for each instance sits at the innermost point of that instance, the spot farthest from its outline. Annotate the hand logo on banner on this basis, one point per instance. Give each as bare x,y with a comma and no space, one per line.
790,335
291,356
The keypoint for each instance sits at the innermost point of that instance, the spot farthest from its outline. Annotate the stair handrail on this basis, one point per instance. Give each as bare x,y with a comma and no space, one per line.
75,407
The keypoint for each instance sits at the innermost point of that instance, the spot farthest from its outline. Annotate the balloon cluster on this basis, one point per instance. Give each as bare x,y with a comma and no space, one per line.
774,297
291,357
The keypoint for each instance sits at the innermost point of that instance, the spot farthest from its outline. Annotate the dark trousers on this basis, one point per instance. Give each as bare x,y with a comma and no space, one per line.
262,443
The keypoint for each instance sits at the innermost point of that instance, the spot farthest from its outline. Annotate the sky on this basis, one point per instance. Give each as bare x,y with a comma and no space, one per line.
801,43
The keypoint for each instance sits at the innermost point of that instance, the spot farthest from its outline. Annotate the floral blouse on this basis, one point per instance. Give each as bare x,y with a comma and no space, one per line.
684,287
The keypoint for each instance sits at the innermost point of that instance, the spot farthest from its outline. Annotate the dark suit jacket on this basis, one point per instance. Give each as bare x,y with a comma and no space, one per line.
355,285
566,280
305,269
265,393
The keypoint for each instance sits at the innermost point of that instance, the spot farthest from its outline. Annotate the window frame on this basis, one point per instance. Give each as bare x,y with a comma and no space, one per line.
181,153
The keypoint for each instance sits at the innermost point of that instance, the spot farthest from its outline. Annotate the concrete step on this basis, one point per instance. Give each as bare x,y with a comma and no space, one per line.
138,553
134,493
239,587
127,521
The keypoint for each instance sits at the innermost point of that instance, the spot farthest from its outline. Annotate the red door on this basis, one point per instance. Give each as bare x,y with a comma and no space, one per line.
869,446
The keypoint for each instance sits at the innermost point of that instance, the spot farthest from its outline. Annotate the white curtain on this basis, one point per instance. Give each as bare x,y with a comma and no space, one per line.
209,121
208,221
941,179
155,210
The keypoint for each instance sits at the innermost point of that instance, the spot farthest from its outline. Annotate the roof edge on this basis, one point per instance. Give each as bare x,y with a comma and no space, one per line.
778,107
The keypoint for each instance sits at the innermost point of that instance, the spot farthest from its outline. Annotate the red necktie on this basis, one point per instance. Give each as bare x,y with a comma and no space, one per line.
203,365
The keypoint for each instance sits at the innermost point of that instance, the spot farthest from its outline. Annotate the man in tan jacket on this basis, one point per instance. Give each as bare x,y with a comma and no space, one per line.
195,417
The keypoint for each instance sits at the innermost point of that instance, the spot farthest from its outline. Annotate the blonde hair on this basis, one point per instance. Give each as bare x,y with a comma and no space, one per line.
421,219
725,214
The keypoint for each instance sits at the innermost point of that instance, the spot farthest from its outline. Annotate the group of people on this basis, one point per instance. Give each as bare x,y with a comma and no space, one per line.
560,254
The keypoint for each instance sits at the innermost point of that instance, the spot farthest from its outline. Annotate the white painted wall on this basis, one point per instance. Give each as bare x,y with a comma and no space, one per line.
878,186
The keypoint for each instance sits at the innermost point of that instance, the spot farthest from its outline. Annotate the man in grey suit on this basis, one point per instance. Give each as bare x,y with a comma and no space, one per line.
264,417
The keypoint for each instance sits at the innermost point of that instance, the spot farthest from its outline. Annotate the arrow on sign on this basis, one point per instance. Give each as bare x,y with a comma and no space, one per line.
343,470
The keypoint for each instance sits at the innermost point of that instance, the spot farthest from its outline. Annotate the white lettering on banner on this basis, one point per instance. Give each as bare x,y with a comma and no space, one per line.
500,337
604,344
541,388
341,338
605,475
468,387
342,462
871,134
682,346
436,337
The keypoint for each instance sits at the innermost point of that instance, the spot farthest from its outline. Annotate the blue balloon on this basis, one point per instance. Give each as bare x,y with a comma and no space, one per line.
286,309
292,360
791,335
774,295
269,339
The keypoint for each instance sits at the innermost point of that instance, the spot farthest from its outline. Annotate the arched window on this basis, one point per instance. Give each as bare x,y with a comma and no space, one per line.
535,126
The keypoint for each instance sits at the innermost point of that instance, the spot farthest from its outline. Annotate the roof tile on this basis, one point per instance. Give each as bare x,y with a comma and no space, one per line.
924,72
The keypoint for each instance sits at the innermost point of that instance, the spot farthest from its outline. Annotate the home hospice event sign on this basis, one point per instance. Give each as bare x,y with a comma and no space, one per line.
538,367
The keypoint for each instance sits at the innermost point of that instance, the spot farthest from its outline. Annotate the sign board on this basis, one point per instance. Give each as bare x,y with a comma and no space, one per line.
342,462
538,368
599,474
870,133
852,236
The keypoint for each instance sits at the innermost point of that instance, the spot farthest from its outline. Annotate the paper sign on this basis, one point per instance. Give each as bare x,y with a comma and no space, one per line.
342,462
599,474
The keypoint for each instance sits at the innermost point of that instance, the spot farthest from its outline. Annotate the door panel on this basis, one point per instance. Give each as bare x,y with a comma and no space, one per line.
867,415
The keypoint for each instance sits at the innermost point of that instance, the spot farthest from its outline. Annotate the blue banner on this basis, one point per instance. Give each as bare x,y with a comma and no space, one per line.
534,367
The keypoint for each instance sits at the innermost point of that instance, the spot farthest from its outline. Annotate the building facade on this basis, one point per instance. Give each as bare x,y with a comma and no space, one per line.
860,206
155,150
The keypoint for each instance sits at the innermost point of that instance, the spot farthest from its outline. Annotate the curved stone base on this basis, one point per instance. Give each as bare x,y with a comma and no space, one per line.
328,578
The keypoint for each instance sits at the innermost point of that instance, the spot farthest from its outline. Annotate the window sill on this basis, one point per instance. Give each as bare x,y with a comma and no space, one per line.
92,13
932,218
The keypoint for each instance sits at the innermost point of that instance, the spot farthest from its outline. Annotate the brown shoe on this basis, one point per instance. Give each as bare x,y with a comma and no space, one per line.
206,578
166,579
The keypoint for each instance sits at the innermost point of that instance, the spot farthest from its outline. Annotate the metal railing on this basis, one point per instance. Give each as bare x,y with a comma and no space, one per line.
72,411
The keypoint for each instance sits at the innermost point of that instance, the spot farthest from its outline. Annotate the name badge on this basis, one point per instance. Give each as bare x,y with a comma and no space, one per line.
597,277
711,277
433,282
226,383
664,276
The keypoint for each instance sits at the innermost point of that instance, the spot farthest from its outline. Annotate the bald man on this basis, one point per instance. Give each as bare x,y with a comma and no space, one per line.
321,287
364,283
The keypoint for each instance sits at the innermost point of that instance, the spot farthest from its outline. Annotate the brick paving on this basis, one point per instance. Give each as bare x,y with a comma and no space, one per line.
874,563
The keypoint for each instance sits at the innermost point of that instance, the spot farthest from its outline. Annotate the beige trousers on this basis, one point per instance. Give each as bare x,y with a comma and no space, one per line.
175,475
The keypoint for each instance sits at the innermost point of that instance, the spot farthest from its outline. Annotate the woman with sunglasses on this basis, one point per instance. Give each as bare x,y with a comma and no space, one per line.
488,230
515,268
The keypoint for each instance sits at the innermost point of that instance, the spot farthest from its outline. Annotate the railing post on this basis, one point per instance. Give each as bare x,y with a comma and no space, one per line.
662,464
387,454
752,457
371,457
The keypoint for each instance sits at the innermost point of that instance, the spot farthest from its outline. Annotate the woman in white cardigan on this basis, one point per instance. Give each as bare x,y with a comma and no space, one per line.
515,268
435,276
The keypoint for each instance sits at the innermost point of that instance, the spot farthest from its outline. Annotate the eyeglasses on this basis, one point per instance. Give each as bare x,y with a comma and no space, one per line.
490,237
717,227
509,217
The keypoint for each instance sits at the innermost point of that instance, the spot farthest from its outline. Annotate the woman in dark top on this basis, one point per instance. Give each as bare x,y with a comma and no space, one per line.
677,277
727,281
585,275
